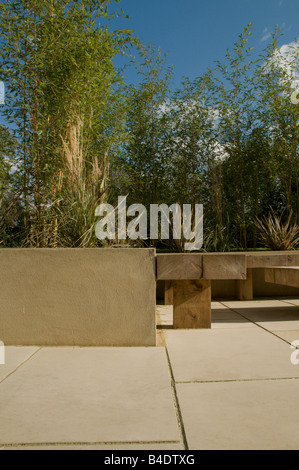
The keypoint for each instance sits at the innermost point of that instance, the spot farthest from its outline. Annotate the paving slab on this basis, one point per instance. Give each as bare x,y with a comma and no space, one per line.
280,316
228,354
249,304
14,357
65,395
291,301
222,317
241,415
225,318
105,447
218,305
289,336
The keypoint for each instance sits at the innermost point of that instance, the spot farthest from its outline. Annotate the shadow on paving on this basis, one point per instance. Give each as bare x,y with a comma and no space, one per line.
270,314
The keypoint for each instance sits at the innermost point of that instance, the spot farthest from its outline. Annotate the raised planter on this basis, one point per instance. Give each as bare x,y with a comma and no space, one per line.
77,297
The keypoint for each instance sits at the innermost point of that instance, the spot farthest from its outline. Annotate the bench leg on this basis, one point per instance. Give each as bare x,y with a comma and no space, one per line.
245,288
168,293
192,304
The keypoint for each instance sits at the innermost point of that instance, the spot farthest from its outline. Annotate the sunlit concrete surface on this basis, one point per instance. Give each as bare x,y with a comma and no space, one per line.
231,387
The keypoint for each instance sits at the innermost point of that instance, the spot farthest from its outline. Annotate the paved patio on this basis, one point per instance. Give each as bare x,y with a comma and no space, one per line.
231,387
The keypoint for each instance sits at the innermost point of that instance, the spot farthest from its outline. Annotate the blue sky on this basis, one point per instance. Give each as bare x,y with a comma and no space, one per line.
195,33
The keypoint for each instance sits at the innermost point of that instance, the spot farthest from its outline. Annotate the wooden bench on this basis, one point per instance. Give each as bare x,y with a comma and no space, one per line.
188,283
188,280
286,276
263,260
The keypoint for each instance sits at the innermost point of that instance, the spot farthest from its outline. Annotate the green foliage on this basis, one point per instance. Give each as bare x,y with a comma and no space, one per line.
57,62
276,234
144,156
228,140
10,208
7,153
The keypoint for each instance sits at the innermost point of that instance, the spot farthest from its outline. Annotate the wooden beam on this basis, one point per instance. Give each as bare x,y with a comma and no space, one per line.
286,276
245,288
168,293
179,266
224,266
266,259
192,304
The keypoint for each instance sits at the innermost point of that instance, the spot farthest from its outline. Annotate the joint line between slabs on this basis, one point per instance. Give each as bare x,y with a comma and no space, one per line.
271,379
289,303
256,324
20,365
67,444
177,404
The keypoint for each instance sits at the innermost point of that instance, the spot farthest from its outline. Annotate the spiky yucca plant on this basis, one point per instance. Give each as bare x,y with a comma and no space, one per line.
277,235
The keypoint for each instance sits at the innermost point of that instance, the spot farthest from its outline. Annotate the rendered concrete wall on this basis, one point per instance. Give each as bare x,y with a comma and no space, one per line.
80,297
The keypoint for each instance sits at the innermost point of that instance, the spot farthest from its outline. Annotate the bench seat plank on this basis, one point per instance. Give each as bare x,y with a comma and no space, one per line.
287,276
179,266
217,266
267,260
